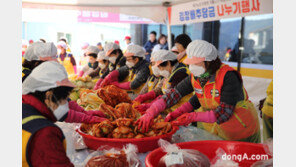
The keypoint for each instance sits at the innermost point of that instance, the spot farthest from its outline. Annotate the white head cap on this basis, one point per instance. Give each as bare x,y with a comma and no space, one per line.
199,51
41,51
109,47
102,56
92,49
47,75
62,44
161,56
135,50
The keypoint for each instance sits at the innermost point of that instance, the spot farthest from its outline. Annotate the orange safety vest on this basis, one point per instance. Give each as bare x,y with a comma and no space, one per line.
67,64
243,124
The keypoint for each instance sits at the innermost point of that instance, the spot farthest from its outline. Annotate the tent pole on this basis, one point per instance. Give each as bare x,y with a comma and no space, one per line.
168,29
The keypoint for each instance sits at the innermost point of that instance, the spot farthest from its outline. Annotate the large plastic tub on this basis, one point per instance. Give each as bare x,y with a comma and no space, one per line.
209,148
144,144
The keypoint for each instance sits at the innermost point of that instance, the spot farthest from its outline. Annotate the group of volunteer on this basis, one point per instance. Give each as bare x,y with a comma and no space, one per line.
192,86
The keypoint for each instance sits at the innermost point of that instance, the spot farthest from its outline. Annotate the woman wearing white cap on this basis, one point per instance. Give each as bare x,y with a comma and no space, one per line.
116,60
220,99
44,101
154,82
102,68
173,73
66,59
36,54
135,73
92,54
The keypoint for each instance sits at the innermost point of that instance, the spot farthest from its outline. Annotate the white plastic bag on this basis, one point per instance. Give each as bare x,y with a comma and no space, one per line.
75,144
218,161
108,156
192,133
177,157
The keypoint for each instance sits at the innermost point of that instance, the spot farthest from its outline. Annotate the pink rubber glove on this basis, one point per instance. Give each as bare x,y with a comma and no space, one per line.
96,113
124,85
79,117
187,118
147,96
74,106
185,108
143,107
112,77
81,73
145,121
75,69
97,86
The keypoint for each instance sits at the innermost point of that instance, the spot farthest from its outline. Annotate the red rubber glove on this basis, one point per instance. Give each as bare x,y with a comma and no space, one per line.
124,85
187,118
79,117
112,77
81,73
143,107
97,86
74,106
147,96
145,121
185,108
96,113
75,69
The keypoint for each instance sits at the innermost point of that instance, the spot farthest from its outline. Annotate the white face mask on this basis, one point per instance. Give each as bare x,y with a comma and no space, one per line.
102,66
129,64
112,59
61,111
164,73
196,70
155,70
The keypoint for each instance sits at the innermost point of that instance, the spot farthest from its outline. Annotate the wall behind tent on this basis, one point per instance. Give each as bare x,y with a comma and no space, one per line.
79,32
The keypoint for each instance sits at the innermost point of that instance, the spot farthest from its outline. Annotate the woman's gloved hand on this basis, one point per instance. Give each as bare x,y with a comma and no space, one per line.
146,120
96,113
81,73
147,96
79,117
143,107
187,118
97,86
124,85
96,119
185,108
112,77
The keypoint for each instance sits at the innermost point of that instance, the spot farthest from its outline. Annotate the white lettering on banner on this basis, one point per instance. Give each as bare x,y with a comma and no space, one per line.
209,10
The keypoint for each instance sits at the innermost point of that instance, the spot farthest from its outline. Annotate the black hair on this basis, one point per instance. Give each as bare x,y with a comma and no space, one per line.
153,32
59,93
140,58
173,62
161,36
183,39
93,55
42,40
62,39
213,66
31,64
105,60
117,51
